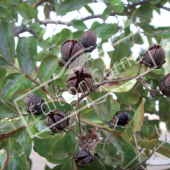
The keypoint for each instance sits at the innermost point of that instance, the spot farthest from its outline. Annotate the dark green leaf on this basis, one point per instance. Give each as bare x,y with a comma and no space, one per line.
7,45
27,54
89,9
117,5
3,158
136,123
106,13
71,5
48,65
78,24
27,12
138,39
16,157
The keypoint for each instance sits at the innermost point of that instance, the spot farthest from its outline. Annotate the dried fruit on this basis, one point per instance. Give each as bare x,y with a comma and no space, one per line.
80,80
88,40
70,49
34,104
156,53
165,85
83,158
120,118
55,120
90,142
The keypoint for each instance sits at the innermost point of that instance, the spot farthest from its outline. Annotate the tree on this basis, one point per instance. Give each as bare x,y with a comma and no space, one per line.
87,129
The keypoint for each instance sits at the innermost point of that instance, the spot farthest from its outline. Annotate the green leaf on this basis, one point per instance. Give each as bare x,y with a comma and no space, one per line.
3,158
71,5
89,9
118,5
104,30
44,146
48,65
16,2
27,12
15,155
4,64
120,86
7,110
65,147
3,73
131,97
24,140
10,84
124,149
136,123
36,27
6,127
106,13
7,45
78,24
27,54
150,144
104,105
154,2
138,39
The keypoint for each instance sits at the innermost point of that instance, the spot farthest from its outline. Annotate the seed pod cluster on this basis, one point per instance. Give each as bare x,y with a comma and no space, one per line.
155,54
34,104
55,120
87,146
72,49
120,118
80,80
165,85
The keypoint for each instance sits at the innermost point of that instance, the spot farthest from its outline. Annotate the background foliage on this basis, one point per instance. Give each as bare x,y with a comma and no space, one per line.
27,60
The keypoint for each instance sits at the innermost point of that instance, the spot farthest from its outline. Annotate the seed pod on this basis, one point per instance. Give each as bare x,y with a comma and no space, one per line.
89,39
34,104
157,53
80,80
83,158
55,116
164,85
123,118
71,48
120,118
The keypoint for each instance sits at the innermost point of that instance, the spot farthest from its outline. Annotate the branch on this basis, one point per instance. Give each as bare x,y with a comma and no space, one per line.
49,21
8,135
138,3
20,29
38,3
163,7
99,126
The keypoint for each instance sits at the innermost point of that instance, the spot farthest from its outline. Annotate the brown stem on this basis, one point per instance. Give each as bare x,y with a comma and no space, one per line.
99,126
8,135
42,88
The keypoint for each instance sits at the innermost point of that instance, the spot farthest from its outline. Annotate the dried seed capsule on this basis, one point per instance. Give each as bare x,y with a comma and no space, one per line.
34,104
83,158
164,85
157,53
80,80
88,40
55,116
71,49
120,118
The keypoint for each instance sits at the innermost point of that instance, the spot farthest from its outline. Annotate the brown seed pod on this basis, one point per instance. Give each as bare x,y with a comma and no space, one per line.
88,40
83,158
80,80
70,49
55,116
157,53
120,118
164,85
90,142
34,104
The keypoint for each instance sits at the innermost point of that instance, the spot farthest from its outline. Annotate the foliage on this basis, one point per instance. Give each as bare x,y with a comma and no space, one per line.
31,62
